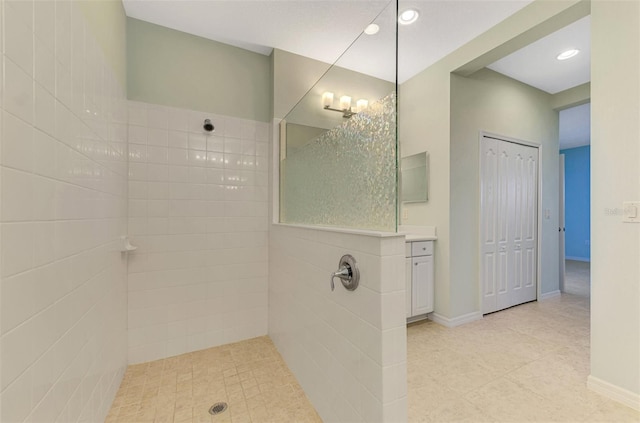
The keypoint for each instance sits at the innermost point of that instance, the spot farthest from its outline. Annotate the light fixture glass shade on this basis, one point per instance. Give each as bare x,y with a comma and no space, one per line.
361,105
327,99
372,29
345,102
408,17
567,54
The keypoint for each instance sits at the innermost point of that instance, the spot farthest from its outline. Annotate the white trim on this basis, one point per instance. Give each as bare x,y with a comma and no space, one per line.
510,139
586,260
275,170
456,321
548,295
616,393
562,235
363,232
417,318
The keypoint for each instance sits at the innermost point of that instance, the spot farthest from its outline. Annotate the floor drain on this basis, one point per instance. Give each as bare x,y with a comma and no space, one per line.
218,408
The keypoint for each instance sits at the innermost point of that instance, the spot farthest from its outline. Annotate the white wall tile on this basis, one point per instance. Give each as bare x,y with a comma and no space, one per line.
64,204
178,119
158,137
18,91
178,139
358,348
215,144
44,21
157,154
137,114
157,117
197,141
17,251
44,60
63,32
178,156
137,134
18,31
16,399
233,127
17,143
178,218
45,113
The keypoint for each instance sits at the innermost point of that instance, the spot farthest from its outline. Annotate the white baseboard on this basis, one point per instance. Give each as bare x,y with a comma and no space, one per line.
621,395
548,295
577,259
456,321
417,318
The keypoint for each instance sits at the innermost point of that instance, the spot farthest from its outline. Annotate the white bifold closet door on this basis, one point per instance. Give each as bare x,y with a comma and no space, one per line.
509,216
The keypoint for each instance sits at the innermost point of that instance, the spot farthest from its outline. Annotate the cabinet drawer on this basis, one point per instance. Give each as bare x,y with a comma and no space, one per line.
422,248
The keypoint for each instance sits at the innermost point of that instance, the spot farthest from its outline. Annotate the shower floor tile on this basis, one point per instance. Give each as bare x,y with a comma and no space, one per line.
250,376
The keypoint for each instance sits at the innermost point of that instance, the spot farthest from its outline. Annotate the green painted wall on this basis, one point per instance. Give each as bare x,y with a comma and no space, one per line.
491,102
424,120
293,76
108,23
176,69
615,159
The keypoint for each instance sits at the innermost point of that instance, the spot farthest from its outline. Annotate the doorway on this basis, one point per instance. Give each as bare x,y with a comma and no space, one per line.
575,200
509,222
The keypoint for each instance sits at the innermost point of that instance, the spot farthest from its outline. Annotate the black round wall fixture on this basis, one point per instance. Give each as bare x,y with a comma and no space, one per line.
208,125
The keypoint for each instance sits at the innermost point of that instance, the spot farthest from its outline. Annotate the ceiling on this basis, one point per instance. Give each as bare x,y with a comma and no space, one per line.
536,64
324,29
575,124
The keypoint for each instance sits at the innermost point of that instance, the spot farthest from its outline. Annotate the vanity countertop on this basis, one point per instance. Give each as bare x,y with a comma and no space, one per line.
418,233
410,237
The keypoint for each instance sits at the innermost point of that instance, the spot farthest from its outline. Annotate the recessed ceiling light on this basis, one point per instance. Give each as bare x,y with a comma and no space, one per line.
409,16
568,54
371,29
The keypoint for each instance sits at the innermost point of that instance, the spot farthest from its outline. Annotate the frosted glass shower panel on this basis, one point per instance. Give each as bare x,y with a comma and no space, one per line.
346,177
338,147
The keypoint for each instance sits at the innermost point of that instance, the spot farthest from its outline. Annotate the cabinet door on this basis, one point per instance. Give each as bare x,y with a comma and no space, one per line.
422,285
407,286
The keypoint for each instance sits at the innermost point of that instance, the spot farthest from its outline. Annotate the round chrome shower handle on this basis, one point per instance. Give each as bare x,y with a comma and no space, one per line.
348,273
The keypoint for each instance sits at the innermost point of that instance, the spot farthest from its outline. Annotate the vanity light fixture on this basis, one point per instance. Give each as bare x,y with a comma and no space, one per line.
361,105
568,54
345,105
408,17
372,29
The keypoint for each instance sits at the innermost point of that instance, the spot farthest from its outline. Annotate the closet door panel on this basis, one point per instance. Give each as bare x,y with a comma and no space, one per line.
489,193
509,184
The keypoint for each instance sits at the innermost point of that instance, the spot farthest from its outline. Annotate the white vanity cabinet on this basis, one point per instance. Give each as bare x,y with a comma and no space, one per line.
419,279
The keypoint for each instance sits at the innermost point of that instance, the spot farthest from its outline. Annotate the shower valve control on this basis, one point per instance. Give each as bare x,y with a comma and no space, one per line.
348,273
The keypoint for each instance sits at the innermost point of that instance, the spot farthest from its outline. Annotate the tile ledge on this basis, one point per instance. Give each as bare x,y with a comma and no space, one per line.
363,232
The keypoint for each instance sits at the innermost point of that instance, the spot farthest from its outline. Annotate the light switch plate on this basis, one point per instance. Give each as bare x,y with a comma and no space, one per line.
631,211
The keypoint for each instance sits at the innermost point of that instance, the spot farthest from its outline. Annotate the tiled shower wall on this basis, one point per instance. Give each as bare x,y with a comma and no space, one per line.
346,348
198,206
63,208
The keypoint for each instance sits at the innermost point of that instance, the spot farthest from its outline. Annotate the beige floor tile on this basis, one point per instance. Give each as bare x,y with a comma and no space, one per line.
456,410
613,412
182,389
527,363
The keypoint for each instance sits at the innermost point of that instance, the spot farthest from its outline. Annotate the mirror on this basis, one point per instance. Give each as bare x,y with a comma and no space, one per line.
300,135
414,172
